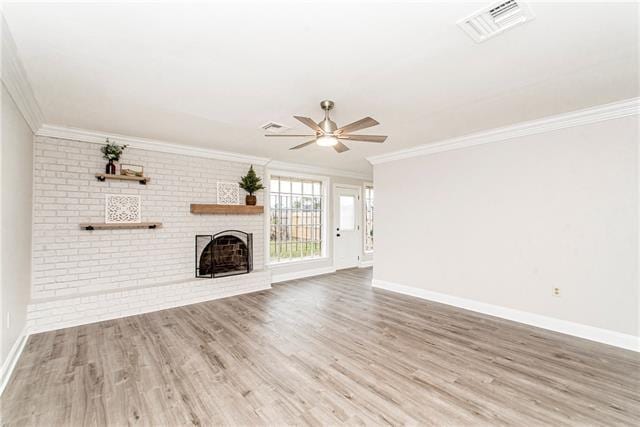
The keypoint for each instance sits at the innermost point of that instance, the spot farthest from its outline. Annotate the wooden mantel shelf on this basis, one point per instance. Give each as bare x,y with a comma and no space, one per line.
141,179
197,208
103,226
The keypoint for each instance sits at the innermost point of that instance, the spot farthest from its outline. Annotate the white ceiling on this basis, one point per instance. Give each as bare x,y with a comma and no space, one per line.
209,75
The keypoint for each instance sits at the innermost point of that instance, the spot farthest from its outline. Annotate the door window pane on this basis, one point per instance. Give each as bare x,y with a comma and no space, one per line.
347,213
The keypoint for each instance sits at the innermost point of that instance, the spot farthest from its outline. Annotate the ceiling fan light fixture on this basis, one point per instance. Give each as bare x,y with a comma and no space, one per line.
326,141
328,134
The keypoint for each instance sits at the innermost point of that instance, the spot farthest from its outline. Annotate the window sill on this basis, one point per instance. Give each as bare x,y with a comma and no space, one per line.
275,264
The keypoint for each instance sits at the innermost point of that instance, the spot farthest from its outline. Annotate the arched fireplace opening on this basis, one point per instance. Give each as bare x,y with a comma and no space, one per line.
224,254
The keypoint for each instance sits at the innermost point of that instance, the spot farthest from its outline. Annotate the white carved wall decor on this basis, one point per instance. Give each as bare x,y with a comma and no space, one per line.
121,209
228,193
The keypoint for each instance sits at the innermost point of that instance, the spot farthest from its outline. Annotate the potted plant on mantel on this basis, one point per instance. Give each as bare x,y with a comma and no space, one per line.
112,153
251,183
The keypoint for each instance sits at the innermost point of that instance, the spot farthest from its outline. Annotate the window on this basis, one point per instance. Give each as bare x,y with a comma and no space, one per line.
368,229
296,219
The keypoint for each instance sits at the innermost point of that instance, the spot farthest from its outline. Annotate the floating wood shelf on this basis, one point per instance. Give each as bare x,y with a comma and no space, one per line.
141,179
103,226
226,209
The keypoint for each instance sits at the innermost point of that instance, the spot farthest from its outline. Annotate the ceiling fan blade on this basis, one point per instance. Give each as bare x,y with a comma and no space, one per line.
367,122
307,121
287,134
340,147
304,144
366,138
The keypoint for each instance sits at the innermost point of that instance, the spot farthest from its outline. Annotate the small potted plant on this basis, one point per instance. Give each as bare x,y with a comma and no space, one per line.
251,183
112,153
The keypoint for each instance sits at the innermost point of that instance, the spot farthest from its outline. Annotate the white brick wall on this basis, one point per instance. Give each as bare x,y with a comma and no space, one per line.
69,262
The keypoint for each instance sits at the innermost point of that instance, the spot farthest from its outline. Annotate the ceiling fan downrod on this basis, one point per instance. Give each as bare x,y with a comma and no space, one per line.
327,125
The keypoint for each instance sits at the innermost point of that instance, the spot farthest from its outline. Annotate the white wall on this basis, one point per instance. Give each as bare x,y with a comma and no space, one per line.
16,154
504,223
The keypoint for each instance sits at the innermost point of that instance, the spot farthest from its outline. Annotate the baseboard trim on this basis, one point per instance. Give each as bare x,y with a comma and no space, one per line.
605,336
12,359
283,277
365,264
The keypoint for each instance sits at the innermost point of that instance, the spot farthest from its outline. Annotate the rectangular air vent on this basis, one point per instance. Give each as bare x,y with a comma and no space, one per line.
273,127
496,18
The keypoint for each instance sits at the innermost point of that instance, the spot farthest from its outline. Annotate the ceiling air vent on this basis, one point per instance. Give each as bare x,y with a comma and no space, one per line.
274,127
494,19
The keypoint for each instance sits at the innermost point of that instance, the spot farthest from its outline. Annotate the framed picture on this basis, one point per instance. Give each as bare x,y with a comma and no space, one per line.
131,170
228,193
121,209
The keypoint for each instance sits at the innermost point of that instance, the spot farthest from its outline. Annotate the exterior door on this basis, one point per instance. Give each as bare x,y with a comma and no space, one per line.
346,227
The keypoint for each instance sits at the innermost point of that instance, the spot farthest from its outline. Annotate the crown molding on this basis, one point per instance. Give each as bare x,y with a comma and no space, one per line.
317,170
585,116
14,78
96,137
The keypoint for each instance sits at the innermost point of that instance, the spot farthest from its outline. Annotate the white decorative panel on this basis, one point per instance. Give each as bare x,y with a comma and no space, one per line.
121,209
228,193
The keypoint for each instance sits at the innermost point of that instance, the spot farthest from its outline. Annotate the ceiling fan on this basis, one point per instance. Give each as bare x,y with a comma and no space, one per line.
328,134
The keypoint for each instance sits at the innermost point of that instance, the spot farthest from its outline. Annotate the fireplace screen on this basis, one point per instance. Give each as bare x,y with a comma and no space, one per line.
224,254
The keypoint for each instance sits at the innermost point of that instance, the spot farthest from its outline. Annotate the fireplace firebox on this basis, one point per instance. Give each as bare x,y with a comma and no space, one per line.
224,254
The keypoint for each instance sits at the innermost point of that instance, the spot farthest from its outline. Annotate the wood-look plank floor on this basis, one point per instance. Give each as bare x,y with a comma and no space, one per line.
326,350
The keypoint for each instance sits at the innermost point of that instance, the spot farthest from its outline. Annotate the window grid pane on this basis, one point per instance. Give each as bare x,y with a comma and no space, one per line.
368,192
296,219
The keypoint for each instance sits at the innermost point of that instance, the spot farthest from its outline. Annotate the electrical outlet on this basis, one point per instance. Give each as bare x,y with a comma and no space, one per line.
555,291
